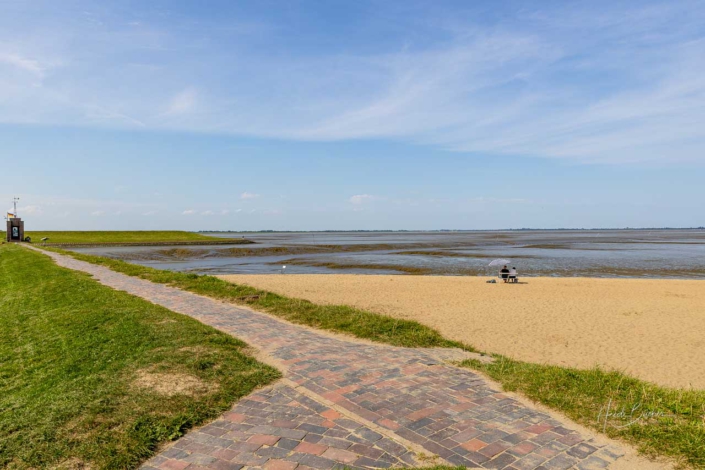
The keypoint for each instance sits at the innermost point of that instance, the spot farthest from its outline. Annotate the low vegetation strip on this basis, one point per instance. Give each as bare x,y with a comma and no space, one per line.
125,237
338,318
93,377
658,421
170,244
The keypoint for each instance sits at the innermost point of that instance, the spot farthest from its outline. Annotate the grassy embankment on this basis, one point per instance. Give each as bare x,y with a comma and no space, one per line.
126,238
83,370
340,318
657,420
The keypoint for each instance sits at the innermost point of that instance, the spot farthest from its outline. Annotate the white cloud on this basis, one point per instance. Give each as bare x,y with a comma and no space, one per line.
247,195
32,210
188,212
98,213
224,212
23,63
359,199
149,213
238,210
208,212
183,102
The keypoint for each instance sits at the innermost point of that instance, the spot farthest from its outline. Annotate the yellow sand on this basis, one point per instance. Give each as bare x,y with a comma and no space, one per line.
651,329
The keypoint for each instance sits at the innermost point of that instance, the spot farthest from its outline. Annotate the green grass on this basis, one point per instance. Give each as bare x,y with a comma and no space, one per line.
671,422
657,420
70,350
110,237
339,318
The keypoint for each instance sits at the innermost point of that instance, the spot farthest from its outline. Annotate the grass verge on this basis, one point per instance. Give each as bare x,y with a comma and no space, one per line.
127,237
657,420
338,318
97,377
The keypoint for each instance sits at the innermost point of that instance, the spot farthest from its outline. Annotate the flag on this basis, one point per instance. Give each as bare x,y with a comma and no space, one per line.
10,215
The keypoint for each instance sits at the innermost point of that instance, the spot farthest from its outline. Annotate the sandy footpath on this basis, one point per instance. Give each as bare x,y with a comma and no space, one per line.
652,329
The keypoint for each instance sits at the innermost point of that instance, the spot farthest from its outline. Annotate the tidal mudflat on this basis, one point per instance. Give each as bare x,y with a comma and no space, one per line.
676,254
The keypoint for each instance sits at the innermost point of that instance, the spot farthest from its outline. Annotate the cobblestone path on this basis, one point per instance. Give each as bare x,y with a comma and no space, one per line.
346,403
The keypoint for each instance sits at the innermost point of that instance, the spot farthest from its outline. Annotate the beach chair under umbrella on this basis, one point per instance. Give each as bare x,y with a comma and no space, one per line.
499,262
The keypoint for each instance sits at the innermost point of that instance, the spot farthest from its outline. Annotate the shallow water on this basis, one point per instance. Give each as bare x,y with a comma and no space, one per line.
592,253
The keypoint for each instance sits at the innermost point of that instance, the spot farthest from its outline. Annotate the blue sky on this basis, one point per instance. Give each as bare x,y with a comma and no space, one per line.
352,115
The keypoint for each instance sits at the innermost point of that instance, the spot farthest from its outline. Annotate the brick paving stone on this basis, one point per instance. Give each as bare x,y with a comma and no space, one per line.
243,446
500,462
366,451
174,465
272,452
224,465
538,428
335,442
312,428
582,450
522,449
593,463
474,445
315,461
276,464
199,459
530,462
571,439
309,448
560,462
337,432
518,437
492,436
224,454
289,444
545,438
313,438
263,439
410,393
494,448
174,453
340,455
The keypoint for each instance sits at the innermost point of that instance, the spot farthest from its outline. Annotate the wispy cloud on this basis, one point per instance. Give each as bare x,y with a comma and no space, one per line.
188,212
247,195
23,63
359,199
606,82
32,210
98,213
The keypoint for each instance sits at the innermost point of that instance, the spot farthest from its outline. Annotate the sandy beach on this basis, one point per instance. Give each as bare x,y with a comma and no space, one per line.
652,329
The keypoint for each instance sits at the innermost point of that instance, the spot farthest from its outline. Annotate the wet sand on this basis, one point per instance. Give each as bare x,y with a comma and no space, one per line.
652,329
